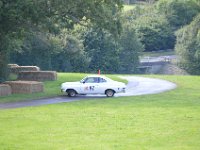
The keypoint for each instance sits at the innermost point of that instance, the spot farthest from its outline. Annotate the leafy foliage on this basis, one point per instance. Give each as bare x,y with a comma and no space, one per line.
152,28
81,50
72,57
111,54
130,50
34,49
178,12
62,53
188,46
45,33
18,17
102,49
155,33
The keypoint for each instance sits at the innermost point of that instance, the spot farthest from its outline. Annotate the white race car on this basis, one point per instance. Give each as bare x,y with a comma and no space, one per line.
93,84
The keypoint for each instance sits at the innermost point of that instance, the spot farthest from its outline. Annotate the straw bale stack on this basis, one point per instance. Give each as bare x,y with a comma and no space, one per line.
5,90
38,75
24,87
17,69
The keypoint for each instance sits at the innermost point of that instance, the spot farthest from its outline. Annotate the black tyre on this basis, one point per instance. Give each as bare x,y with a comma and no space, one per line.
110,93
71,93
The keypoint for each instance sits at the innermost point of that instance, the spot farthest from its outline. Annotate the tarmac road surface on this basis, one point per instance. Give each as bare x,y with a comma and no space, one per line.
135,86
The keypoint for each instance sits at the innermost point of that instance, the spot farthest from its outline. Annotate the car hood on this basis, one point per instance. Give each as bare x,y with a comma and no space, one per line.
118,83
70,83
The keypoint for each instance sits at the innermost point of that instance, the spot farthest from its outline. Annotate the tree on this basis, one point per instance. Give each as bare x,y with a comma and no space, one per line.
197,1
111,54
152,28
154,33
72,57
102,49
35,50
18,17
130,49
188,46
63,52
178,12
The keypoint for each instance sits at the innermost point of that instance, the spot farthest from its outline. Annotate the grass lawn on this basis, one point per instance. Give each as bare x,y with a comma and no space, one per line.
159,53
166,121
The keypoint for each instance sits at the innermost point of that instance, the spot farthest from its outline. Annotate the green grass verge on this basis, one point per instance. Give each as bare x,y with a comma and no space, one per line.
166,121
157,54
51,88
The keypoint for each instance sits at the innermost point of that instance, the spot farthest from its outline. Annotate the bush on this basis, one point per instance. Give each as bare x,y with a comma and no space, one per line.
154,33
102,49
178,12
130,48
188,47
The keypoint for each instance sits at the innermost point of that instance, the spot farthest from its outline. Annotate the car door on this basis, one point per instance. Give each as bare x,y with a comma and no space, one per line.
90,85
102,86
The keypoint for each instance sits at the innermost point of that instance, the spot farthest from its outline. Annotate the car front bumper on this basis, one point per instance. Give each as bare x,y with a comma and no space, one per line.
121,90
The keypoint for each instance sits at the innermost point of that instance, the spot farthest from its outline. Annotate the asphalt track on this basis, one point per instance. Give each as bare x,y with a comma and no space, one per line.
136,86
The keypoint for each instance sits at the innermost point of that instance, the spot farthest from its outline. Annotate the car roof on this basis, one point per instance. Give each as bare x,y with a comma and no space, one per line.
102,76
95,75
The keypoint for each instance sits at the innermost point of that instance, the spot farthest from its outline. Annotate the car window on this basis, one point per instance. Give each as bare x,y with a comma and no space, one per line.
101,80
91,80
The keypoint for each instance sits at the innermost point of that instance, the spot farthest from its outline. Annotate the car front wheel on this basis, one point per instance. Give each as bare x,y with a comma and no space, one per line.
71,93
109,93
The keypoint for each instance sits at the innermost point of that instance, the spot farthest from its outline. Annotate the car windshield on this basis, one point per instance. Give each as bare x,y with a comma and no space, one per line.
91,79
108,79
83,80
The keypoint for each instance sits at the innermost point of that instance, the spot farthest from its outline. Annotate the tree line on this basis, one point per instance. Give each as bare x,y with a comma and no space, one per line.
170,24
68,36
29,24
81,49
84,36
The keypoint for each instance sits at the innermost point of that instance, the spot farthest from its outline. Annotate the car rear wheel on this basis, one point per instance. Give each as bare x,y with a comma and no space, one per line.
71,93
110,93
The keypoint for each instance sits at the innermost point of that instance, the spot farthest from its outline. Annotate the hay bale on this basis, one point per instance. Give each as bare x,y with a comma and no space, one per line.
17,69
38,75
5,90
24,87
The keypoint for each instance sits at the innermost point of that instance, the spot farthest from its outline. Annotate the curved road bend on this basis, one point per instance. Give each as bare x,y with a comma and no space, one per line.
135,86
